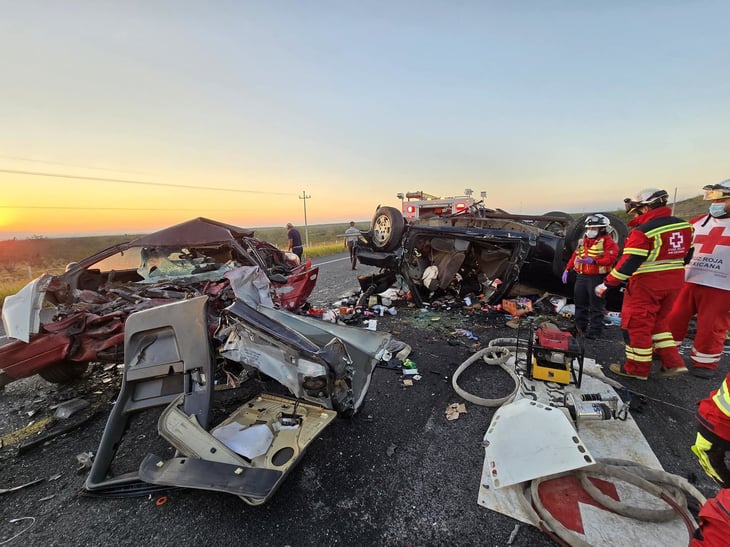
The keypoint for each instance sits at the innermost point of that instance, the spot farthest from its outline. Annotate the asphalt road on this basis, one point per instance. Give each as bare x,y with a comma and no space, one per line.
398,473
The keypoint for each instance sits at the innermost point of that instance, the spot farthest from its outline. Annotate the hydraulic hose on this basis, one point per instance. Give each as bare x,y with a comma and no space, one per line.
493,354
631,473
671,489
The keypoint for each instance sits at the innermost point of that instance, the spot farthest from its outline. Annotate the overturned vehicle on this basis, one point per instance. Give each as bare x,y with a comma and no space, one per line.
58,324
469,250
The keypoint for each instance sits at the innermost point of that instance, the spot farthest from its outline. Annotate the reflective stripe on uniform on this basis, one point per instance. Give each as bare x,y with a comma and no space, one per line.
618,275
640,355
706,358
722,398
635,251
662,340
660,266
596,249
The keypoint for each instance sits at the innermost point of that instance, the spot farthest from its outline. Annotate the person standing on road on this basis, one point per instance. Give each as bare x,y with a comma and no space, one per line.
592,259
652,263
706,291
295,240
352,238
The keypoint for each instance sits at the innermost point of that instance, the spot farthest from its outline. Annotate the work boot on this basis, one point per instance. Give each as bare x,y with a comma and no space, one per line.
621,371
703,372
671,372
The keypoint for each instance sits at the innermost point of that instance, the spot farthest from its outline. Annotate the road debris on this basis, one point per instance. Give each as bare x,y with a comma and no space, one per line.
19,487
454,410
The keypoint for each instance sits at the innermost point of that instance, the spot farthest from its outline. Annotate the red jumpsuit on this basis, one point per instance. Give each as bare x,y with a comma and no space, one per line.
653,263
713,440
706,292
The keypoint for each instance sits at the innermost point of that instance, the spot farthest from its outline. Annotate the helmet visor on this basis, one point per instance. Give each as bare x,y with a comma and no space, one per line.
716,191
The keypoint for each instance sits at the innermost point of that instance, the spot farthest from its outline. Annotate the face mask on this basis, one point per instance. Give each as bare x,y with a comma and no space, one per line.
592,233
717,209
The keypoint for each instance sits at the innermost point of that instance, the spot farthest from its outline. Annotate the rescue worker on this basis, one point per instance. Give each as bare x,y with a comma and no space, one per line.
652,263
592,259
711,446
706,291
352,239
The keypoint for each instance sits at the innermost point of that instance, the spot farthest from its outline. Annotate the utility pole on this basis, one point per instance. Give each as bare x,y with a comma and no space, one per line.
305,197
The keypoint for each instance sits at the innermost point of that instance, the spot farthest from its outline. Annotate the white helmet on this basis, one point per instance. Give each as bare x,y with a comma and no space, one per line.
650,197
597,221
717,191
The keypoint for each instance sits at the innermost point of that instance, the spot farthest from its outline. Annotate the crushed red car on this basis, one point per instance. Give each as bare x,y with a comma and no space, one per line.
59,324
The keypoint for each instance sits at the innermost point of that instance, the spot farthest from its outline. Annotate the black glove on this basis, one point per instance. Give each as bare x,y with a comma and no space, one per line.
710,451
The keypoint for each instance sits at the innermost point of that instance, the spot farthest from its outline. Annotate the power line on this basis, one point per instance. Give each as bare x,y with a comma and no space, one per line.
145,183
33,160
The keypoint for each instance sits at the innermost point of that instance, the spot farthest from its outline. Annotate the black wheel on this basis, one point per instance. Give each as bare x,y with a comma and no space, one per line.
618,231
386,229
63,372
557,227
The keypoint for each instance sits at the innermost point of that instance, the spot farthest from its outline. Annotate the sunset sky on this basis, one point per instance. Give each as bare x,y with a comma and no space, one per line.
126,117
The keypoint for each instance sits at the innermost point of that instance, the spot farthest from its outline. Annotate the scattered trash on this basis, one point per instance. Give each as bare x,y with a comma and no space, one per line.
517,306
407,382
613,318
408,363
558,303
372,324
410,371
390,450
48,497
162,500
84,460
567,311
19,519
454,410
14,488
513,323
70,407
513,535
464,332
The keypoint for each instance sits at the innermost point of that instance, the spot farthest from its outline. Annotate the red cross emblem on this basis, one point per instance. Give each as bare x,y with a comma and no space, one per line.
707,243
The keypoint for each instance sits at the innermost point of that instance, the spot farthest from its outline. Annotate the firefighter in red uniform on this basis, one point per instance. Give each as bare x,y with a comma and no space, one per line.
706,291
711,446
653,264
592,260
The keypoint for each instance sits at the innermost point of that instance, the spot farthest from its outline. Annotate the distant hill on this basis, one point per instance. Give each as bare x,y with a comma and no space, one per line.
691,208
686,209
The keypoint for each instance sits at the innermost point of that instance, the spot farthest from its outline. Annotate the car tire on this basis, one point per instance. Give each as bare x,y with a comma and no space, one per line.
63,372
386,229
555,226
618,231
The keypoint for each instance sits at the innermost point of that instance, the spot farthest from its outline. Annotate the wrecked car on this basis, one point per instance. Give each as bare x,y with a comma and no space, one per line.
58,324
461,247
170,360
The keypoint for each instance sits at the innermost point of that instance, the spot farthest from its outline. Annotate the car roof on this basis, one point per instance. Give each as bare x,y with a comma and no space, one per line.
198,231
